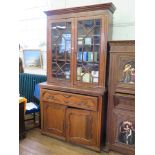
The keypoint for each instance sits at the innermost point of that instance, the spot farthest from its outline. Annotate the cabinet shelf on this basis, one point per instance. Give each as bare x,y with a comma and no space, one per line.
54,60
91,62
89,44
85,36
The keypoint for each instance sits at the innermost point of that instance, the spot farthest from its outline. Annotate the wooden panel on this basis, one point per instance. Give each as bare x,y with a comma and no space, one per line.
21,120
123,131
124,101
81,127
54,118
122,72
69,99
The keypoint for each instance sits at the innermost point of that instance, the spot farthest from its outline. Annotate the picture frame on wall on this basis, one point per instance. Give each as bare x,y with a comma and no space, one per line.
32,58
44,59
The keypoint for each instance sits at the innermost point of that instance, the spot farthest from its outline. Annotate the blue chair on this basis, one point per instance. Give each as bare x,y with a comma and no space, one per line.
34,107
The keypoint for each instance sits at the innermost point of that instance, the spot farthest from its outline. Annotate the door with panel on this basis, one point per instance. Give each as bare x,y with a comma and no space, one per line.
81,127
54,119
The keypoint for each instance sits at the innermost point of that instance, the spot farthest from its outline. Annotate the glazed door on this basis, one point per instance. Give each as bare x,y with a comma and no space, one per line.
89,50
81,127
60,45
54,118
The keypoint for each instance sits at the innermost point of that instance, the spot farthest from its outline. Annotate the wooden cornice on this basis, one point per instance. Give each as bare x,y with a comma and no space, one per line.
122,42
122,46
105,6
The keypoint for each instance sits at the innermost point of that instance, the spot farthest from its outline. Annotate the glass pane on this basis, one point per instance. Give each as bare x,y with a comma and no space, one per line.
88,49
61,50
87,72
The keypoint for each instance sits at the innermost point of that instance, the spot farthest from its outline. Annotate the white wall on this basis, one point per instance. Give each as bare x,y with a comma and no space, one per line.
32,21
123,18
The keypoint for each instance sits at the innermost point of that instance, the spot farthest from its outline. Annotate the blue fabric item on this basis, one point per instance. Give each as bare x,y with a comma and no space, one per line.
37,91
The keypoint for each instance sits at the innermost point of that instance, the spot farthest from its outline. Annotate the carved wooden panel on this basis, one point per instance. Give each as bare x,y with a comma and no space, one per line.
81,127
124,101
69,99
54,118
123,134
127,70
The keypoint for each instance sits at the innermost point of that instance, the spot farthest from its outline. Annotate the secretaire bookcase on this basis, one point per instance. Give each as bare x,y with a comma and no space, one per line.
73,98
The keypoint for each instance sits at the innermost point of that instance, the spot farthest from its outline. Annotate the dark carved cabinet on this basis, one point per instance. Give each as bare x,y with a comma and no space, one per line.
121,97
73,98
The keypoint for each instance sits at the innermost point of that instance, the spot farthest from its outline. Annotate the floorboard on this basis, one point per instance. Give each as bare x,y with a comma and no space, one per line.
37,144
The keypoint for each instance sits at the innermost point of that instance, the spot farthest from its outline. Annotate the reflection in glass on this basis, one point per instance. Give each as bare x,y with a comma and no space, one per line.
61,50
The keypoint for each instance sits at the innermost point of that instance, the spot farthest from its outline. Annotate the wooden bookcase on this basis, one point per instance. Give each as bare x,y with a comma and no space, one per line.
73,98
121,98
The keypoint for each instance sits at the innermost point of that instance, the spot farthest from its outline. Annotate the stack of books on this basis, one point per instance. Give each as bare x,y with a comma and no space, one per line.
87,56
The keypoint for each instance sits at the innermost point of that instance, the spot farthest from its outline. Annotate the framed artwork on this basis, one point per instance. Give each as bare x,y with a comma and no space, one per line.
32,58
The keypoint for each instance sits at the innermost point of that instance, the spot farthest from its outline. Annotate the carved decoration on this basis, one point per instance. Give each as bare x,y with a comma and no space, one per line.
126,133
128,72
71,100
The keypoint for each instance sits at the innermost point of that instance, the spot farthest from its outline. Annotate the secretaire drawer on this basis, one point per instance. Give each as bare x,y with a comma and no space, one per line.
69,99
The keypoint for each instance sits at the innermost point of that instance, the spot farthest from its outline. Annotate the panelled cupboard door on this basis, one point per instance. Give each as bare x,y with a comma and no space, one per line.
122,70
123,132
54,118
81,127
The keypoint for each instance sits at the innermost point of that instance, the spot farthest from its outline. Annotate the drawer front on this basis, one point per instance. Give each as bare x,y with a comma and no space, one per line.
69,99
124,101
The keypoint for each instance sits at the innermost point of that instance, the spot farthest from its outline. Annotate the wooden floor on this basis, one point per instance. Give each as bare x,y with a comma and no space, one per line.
37,144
